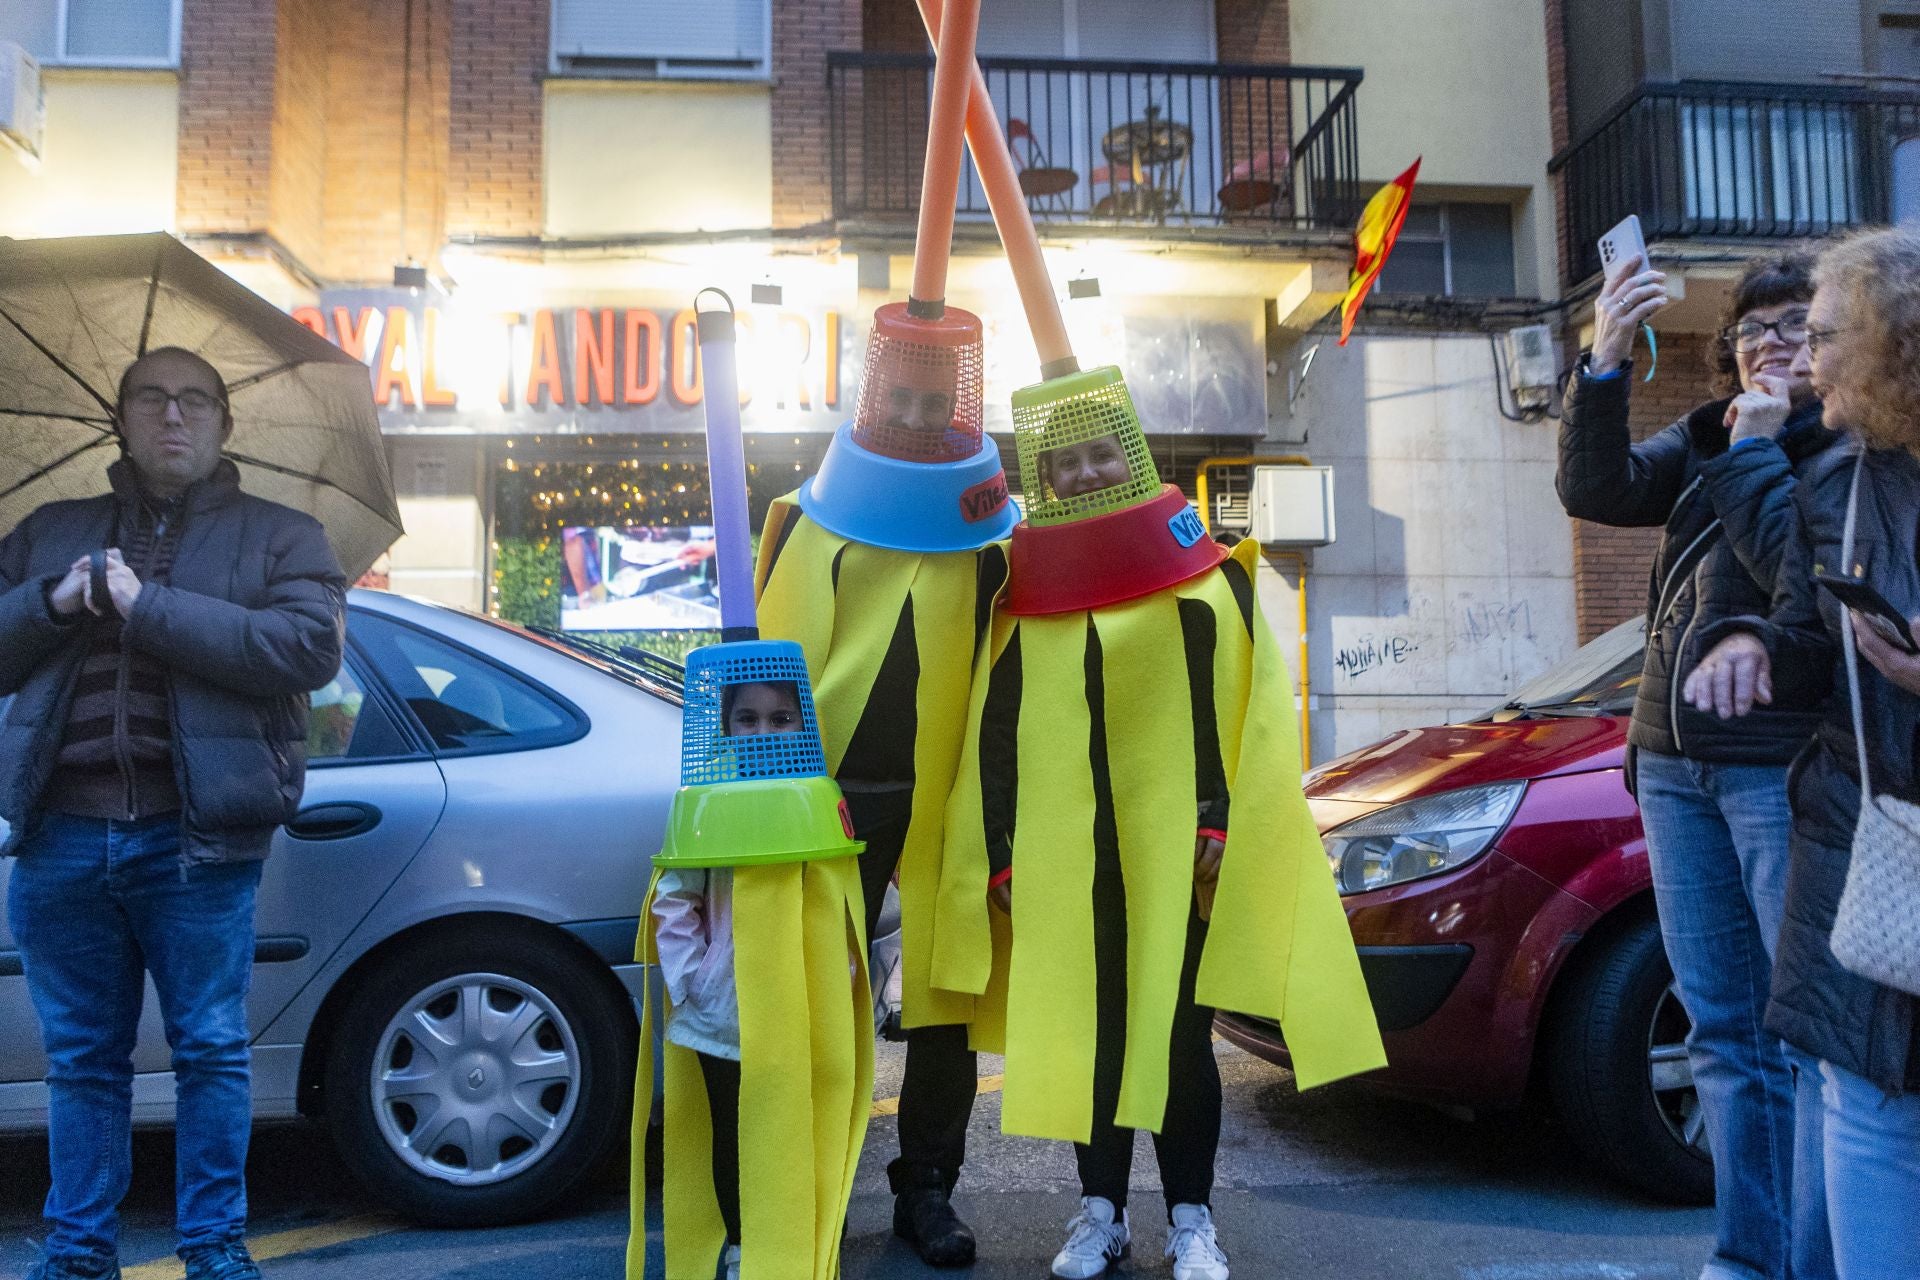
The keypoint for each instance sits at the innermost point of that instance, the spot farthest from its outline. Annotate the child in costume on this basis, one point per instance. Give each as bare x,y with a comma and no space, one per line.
883,568
1101,800
754,919
693,931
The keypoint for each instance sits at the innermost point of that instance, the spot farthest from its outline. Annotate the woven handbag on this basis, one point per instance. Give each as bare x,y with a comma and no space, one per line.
1876,932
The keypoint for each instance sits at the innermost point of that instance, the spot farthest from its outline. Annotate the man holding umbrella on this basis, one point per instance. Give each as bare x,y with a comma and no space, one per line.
160,641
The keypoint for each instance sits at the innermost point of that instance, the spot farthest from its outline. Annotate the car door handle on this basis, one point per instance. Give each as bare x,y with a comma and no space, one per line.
336,821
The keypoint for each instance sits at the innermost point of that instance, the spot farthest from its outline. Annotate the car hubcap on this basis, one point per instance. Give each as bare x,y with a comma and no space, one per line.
1671,1073
475,1079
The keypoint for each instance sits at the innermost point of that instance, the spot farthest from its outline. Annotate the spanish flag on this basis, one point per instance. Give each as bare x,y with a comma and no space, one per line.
1373,241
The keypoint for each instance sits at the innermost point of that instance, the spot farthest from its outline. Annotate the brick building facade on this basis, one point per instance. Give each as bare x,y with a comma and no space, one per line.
543,177
358,134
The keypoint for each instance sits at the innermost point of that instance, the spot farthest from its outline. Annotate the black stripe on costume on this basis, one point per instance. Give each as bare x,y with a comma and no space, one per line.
1109,897
787,523
881,749
999,762
991,575
1198,631
1236,575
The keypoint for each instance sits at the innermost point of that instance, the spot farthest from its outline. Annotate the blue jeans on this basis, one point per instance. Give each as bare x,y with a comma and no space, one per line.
1873,1177
92,903
1717,842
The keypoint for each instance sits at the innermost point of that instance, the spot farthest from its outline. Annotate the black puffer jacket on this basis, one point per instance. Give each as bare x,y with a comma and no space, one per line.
1870,1030
253,619
1697,578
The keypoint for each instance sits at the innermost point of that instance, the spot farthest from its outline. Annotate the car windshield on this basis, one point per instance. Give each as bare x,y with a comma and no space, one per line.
1599,679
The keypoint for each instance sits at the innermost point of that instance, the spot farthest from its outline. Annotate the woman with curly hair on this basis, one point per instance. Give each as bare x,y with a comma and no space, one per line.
1857,511
1713,793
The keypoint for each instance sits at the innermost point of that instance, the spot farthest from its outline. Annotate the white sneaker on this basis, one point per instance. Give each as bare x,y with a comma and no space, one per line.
732,1260
1195,1252
1094,1241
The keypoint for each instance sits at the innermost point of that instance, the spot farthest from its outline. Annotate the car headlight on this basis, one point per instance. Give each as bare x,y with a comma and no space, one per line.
1422,837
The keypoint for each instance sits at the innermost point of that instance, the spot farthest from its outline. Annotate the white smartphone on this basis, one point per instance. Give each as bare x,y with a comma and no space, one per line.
1621,245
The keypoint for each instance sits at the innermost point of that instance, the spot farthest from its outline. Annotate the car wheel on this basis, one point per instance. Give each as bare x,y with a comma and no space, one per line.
476,1081
1618,1070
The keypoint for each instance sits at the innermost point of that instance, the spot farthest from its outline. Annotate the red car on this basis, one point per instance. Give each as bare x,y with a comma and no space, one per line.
1495,877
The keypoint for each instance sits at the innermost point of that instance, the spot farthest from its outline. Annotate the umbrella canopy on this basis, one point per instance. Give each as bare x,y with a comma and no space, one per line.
74,313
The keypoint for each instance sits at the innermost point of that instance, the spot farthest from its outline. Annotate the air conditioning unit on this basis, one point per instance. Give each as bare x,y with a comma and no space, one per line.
23,111
1531,365
1292,506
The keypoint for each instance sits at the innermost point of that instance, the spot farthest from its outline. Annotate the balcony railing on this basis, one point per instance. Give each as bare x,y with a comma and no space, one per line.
1157,143
1743,161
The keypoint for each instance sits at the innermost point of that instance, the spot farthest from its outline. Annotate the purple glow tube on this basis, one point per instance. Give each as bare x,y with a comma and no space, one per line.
727,468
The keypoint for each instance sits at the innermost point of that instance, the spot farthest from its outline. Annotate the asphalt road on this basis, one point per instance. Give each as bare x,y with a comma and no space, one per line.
1337,1183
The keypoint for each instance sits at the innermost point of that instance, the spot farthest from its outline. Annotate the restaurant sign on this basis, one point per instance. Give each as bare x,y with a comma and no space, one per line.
1193,365
438,365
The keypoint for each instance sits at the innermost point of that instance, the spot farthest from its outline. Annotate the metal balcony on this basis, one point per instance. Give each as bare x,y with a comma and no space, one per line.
1742,161
1155,144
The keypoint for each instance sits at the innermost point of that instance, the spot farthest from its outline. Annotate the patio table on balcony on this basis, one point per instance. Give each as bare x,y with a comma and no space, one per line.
1151,152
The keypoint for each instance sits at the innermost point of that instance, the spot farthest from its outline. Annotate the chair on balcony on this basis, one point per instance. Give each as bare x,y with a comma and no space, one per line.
1257,181
1040,178
1129,195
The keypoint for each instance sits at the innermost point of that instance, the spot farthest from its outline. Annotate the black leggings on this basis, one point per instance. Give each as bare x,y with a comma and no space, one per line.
936,1095
1189,1136
723,1101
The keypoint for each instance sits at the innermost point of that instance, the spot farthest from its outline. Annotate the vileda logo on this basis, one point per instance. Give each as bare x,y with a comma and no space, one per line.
984,499
1186,527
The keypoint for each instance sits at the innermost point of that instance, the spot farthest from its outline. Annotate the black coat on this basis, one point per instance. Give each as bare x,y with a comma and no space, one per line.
1697,578
1870,1030
253,620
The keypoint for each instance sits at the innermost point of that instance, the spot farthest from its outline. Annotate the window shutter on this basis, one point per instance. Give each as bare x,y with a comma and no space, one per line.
720,32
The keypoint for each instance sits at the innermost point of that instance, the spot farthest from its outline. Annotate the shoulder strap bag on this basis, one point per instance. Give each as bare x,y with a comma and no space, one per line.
1876,932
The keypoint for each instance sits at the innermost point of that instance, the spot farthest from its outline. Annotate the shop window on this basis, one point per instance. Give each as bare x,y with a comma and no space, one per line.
666,39
97,33
1458,249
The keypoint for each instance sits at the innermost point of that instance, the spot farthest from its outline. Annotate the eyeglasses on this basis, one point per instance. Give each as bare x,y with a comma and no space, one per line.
1817,336
195,404
1749,334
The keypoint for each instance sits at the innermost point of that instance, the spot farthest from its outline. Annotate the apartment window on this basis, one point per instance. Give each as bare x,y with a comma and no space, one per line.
662,39
1769,169
95,33
1456,249
1151,30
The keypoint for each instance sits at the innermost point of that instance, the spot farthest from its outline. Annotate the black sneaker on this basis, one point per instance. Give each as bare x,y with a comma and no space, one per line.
228,1260
57,1269
924,1218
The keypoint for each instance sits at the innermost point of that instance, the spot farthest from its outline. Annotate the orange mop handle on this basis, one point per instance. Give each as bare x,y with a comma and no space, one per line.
1010,214
940,184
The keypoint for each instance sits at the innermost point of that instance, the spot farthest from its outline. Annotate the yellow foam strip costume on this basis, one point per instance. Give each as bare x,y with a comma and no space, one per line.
845,634
1277,943
806,1081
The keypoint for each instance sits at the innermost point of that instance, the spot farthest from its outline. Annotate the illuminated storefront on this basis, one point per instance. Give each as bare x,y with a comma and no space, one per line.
546,419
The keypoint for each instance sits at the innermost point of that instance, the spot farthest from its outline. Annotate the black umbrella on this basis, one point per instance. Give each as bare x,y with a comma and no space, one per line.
74,313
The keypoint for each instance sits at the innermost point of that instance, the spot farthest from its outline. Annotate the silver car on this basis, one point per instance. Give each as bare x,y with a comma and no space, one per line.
443,972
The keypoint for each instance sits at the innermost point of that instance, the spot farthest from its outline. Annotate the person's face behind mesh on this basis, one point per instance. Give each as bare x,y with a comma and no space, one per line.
1087,467
918,409
754,709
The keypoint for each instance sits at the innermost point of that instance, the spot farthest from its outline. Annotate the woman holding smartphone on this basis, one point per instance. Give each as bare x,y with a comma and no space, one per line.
1862,328
1713,792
